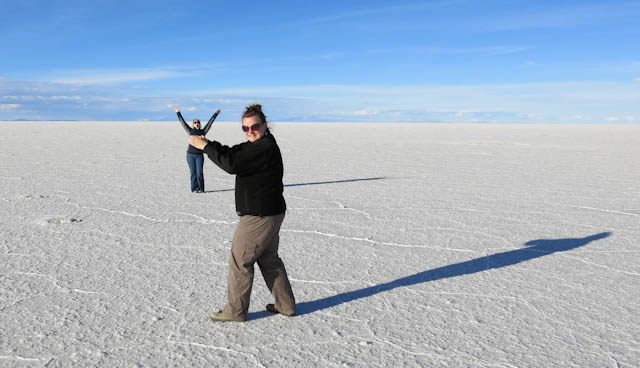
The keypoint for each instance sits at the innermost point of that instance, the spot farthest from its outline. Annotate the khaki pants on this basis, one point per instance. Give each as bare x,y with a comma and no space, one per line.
256,240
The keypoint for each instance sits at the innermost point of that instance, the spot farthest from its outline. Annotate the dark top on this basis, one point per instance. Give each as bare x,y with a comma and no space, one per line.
192,131
258,169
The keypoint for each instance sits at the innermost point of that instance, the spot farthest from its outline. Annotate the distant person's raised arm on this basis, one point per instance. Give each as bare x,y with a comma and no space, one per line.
184,124
213,118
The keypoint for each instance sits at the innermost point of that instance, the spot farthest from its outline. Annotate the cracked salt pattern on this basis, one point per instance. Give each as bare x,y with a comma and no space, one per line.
405,245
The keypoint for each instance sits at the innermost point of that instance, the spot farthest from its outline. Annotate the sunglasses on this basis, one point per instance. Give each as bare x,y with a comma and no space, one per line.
253,128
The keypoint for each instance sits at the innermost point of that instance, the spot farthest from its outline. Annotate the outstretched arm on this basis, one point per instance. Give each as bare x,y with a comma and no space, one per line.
198,141
241,159
213,118
184,124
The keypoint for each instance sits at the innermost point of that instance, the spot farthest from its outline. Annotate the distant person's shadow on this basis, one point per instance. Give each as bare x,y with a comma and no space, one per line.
535,249
311,183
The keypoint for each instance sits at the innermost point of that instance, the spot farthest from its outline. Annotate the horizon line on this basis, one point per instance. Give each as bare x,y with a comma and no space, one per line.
618,122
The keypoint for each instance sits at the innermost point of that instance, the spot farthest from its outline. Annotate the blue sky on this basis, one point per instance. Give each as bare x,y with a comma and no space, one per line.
461,61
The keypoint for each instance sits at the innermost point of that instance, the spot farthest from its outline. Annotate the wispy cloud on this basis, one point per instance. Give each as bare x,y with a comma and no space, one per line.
368,12
488,18
366,112
113,76
487,50
561,16
625,118
526,102
540,87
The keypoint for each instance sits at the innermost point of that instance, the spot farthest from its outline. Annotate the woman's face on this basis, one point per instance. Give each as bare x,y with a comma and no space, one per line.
196,124
252,128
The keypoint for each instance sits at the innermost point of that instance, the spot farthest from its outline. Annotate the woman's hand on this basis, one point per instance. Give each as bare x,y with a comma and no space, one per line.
176,109
198,141
218,111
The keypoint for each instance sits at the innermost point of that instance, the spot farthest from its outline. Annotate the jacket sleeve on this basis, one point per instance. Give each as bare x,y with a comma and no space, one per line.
242,159
184,124
208,126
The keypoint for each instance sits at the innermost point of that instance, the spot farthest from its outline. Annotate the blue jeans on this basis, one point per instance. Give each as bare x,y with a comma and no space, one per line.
196,161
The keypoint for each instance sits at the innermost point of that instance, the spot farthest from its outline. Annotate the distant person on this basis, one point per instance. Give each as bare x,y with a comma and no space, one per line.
194,155
257,164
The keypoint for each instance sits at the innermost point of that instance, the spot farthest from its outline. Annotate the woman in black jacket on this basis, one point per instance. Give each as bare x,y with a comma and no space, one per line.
194,155
257,164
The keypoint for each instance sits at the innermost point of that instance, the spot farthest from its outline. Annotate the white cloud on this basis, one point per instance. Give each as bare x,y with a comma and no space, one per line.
579,118
555,16
523,102
526,102
625,118
565,16
344,16
106,77
457,97
366,112
486,50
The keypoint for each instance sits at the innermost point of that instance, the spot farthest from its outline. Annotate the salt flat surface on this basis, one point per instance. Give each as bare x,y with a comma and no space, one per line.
407,245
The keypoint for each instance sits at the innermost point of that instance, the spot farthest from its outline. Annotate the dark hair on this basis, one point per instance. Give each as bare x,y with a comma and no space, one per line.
255,110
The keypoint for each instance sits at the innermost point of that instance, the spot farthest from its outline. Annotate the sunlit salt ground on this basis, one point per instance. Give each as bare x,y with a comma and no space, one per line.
407,245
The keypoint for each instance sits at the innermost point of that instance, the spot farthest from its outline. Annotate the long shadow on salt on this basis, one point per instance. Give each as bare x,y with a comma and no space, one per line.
310,183
535,249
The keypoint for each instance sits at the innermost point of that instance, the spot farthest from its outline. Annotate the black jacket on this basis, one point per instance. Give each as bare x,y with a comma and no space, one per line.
258,169
192,131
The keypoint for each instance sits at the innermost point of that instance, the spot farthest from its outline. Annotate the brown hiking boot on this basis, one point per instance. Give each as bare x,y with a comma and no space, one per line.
220,317
272,308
